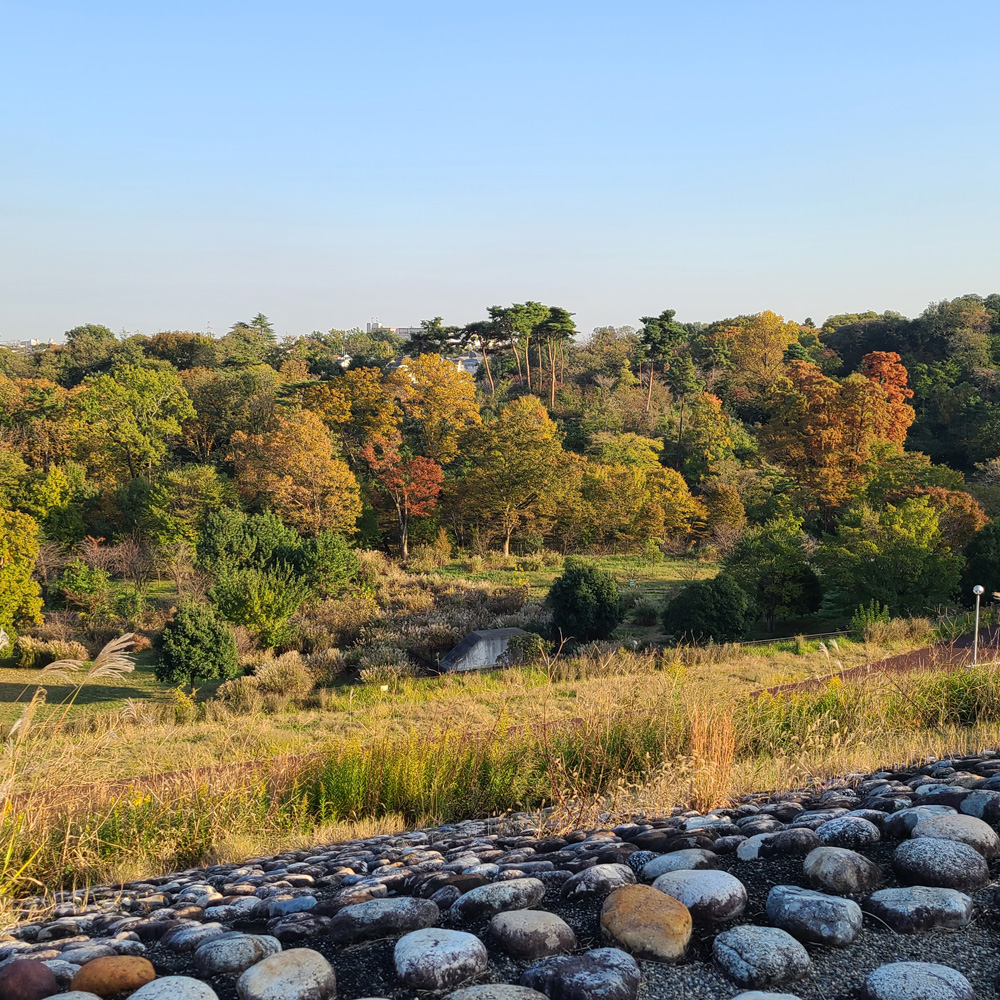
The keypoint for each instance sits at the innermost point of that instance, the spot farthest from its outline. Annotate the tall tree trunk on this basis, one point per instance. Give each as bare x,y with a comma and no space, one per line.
552,376
486,365
517,358
680,426
527,360
540,368
404,535
649,395
506,541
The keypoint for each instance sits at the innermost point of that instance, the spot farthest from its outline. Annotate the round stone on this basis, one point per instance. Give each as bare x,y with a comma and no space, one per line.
759,956
27,979
532,933
296,974
920,908
379,918
978,835
175,988
120,974
74,995
711,896
763,995
646,922
918,981
814,916
232,953
943,863
601,974
435,959
598,880
900,824
852,832
487,900
842,872
689,860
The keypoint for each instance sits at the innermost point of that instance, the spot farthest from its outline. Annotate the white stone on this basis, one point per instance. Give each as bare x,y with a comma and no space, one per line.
918,981
711,896
687,860
233,953
436,959
296,974
175,988
980,836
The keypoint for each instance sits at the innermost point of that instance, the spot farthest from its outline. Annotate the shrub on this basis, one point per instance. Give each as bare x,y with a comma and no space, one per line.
241,694
327,666
644,614
585,602
86,588
285,675
716,610
326,563
524,649
130,605
263,601
33,654
196,646
869,614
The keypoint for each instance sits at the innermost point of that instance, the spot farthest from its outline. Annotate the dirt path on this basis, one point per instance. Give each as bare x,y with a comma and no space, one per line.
941,656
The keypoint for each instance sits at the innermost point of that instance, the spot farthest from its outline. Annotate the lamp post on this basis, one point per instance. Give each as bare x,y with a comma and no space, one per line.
978,591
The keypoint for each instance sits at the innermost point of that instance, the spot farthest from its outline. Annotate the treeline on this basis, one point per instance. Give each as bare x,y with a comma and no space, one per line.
847,445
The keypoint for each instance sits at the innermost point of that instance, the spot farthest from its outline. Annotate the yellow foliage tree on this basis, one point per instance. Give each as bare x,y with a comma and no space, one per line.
293,471
758,354
440,399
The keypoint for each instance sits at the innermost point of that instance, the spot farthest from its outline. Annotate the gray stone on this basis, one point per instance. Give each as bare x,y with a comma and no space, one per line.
487,900
296,974
964,829
944,863
918,981
601,974
711,896
597,881
901,824
233,953
759,956
175,988
920,908
435,959
532,933
851,832
379,918
814,916
762,995
496,991
842,872
687,860
74,995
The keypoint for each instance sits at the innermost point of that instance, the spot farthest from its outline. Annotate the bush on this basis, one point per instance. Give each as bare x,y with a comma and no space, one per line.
715,610
285,675
196,646
86,588
524,649
241,695
644,614
867,615
326,563
264,601
33,654
585,602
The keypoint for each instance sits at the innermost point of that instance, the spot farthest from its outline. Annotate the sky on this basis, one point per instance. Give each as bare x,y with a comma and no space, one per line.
187,165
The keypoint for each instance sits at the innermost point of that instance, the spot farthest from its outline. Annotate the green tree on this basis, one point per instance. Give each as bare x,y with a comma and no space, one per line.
585,601
660,337
133,415
20,600
232,539
771,564
264,601
554,333
894,556
983,563
716,610
435,338
249,343
196,646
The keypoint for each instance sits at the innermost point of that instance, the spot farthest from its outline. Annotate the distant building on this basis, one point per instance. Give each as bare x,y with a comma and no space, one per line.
406,332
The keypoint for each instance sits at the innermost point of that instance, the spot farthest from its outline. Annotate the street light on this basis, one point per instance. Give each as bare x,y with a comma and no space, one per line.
978,591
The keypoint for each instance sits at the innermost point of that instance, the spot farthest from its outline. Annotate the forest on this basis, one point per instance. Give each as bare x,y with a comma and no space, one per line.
821,470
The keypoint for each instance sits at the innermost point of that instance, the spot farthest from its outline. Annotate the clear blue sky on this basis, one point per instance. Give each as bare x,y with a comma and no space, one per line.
163,166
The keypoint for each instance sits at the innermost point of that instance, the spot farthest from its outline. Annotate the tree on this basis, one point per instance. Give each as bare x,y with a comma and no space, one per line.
660,336
20,600
412,486
133,415
758,355
585,602
716,610
195,646
683,380
771,564
895,556
515,325
555,332
293,471
232,539
982,563
514,465
249,343
435,338
439,401
264,601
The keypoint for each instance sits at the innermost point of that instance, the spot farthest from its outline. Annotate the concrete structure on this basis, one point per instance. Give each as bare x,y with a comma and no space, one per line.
479,650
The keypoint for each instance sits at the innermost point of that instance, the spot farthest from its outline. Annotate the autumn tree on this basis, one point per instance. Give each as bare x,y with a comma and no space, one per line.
372,408
513,467
412,486
292,470
439,402
758,355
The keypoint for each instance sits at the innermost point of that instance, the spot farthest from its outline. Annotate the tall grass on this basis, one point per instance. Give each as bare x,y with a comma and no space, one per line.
673,746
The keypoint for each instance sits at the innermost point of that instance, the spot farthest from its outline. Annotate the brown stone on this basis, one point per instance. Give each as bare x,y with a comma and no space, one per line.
115,974
646,922
26,979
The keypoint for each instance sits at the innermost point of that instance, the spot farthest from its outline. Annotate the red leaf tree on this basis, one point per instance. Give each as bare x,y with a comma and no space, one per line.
412,486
